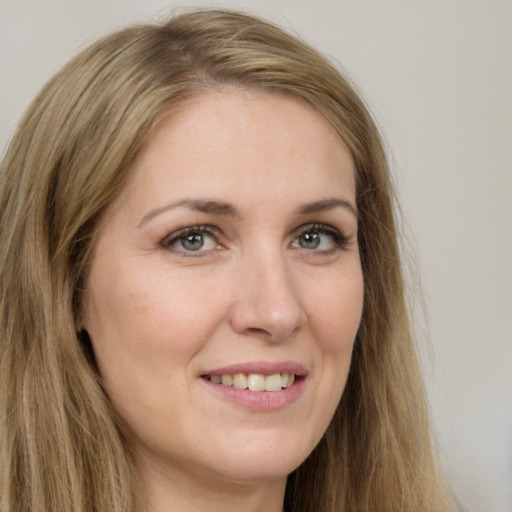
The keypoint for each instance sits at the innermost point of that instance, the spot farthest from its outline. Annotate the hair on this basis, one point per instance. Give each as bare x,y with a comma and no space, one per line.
61,448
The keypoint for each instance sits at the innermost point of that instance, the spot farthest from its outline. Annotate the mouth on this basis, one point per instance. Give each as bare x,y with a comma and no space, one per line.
254,381
260,386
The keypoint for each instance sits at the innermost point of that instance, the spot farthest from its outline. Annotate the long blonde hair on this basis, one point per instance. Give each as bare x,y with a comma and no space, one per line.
60,446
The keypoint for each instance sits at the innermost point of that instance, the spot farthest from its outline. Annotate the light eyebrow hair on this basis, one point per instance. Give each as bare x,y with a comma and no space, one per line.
210,206
328,204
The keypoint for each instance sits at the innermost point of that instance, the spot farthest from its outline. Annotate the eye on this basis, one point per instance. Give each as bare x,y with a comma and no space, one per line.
319,237
309,240
192,239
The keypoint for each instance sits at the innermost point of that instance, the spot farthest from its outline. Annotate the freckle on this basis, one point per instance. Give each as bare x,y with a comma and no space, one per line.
140,308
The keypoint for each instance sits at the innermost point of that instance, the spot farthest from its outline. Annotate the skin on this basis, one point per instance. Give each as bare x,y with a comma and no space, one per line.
160,315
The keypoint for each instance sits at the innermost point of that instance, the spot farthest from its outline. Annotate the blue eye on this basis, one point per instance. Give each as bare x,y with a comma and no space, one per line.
319,237
193,239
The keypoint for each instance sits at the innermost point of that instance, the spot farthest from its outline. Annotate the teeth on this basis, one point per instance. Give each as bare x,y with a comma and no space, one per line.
240,380
276,382
255,381
227,380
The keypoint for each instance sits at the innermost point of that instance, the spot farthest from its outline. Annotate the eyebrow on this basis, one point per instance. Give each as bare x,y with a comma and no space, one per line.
210,206
215,207
328,204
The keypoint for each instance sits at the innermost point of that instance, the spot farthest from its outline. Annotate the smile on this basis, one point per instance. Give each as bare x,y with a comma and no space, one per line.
254,381
260,386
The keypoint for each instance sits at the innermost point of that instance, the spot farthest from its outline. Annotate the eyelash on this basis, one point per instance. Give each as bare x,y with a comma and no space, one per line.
181,234
339,240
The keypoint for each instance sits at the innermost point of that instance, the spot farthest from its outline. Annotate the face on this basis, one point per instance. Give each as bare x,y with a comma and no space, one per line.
225,289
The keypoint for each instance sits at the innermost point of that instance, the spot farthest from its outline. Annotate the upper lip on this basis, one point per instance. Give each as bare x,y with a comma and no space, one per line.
262,367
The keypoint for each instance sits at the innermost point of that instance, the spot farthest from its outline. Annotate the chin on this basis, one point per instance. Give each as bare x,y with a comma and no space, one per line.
259,459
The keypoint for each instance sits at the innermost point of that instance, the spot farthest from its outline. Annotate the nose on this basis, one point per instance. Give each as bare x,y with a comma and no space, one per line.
267,303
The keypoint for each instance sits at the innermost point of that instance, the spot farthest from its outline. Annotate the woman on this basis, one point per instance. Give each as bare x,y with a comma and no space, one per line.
202,300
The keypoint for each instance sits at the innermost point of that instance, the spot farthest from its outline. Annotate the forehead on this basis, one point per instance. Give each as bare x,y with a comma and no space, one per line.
249,112
243,141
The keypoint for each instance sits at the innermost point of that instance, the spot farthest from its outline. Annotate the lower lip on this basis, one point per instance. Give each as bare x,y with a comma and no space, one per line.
264,401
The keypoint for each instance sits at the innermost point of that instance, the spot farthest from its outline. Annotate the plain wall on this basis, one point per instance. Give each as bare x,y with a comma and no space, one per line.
438,76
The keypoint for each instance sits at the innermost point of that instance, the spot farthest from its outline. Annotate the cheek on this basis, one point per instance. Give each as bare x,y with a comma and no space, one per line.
336,312
146,315
145,333
179,307
335,321
334,315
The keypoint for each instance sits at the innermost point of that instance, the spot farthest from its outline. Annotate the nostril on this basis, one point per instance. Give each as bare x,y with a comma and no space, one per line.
271,334
258,332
